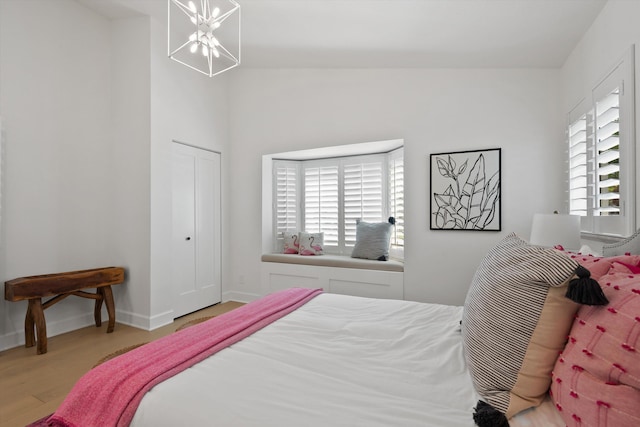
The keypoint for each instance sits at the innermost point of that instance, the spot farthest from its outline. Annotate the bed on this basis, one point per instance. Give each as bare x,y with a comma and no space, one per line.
325,360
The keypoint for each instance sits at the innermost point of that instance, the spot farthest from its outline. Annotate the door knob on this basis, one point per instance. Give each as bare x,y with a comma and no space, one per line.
188,238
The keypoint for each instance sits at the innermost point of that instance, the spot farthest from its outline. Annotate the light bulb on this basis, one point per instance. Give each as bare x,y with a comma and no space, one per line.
193,37
192,7
215,12
194,20
215,52
214,41
194,47
205,51
216,25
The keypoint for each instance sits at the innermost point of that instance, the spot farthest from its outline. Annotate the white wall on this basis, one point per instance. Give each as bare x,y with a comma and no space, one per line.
159,101
55,95
131,180
603,45
433,111
90,107
191,108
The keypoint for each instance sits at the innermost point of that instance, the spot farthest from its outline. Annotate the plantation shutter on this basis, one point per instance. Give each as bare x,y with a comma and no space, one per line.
607,154
363,196
321,202
396,196
328,195
601,148
578,173
286,195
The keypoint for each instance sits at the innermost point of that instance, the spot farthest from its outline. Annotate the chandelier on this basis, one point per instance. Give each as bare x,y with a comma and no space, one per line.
204,37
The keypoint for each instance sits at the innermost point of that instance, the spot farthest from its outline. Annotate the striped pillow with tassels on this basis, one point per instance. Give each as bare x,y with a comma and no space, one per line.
515,322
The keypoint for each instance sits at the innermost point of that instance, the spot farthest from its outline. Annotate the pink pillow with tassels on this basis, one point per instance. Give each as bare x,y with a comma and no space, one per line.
599,266
596,379
623,267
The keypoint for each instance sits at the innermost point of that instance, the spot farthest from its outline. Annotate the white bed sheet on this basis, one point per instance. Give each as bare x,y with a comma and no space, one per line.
336,361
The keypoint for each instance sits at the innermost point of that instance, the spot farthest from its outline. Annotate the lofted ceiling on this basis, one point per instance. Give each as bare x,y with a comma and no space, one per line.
400,33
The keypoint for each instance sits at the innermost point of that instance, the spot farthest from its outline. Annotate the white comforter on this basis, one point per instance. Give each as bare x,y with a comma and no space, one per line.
336,361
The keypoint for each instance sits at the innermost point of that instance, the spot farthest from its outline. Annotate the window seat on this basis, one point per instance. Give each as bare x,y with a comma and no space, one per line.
339,261
337,274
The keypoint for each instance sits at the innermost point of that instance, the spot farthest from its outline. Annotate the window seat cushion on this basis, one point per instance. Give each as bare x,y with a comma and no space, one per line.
339,261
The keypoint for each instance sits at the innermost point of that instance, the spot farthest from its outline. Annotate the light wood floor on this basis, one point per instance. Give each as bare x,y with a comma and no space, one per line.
32,386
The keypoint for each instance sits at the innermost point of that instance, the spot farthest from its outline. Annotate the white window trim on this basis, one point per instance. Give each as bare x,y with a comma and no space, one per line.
270,240
622,75
397,252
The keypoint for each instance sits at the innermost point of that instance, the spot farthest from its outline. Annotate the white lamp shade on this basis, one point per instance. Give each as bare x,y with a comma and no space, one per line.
556,229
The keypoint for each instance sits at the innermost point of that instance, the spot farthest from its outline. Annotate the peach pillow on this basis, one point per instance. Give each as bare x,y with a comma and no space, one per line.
596,379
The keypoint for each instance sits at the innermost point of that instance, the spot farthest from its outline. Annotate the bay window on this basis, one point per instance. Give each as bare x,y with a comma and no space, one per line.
329,195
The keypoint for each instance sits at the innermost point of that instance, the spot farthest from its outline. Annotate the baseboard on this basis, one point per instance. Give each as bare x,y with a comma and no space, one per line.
16,338
239,296
161,319
144,322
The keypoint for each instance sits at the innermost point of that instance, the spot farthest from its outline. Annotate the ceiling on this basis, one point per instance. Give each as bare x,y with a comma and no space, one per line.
400,33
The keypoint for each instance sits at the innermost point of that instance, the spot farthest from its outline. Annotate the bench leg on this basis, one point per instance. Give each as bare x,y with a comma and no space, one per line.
107,294
29,335
36,315
97,309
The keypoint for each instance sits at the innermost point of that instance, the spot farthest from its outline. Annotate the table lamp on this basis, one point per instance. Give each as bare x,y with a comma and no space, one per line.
556,229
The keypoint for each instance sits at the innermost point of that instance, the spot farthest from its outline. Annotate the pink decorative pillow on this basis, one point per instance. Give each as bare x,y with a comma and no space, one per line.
599,266
596,379
623,267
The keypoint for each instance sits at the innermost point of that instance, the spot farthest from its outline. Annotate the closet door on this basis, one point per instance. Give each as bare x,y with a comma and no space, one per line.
196,242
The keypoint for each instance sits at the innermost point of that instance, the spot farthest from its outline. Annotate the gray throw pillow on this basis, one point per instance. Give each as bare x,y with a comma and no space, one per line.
372,240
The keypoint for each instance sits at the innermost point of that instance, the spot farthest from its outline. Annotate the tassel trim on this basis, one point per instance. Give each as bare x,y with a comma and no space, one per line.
488,416
585,290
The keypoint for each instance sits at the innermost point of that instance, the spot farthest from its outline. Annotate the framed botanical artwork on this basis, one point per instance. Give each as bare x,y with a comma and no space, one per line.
465,190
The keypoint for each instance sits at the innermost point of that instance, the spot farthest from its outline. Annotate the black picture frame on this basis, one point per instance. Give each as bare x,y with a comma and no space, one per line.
465,190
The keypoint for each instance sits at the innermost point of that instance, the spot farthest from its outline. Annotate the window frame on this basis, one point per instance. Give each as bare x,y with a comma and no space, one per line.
341,248
621,76
396,207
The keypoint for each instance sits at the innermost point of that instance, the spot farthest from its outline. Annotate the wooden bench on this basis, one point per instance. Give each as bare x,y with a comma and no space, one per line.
59,286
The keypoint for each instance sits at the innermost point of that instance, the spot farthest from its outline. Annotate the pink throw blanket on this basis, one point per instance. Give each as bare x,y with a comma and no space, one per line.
109,394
